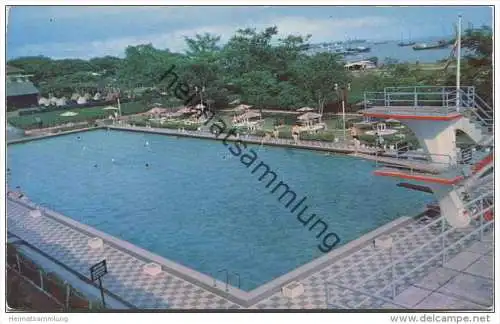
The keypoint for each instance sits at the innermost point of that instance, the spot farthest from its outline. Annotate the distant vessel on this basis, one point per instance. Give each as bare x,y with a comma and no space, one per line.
357,41
359,49
380,43
428,46
409,42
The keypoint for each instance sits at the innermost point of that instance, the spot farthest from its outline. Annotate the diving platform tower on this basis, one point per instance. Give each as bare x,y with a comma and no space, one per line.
434,114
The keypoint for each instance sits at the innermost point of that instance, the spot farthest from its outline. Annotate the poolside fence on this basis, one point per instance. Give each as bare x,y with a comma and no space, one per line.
56,289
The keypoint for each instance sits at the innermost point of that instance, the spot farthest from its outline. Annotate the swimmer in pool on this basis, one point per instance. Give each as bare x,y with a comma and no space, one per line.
95,165
78,138
147,165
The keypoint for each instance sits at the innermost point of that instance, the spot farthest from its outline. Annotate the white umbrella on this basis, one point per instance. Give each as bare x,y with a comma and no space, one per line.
81,101
305,109
242,107
68,114
309,116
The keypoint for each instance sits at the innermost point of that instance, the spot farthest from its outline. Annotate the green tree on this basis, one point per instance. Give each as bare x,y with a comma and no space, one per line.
478,68
317,76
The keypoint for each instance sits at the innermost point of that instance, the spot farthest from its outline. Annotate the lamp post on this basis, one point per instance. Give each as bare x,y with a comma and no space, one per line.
343,90
459,45
200,91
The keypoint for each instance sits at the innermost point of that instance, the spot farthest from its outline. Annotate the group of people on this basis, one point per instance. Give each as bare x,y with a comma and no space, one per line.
78,138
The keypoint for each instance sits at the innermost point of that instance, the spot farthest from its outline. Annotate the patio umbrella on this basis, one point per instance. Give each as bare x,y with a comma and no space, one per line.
309,116
305,109
242,107
68,114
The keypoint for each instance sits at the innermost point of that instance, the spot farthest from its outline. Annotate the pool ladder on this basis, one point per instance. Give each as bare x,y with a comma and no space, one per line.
227,278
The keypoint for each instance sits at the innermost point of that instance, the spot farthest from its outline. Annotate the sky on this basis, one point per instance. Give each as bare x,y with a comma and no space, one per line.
86,31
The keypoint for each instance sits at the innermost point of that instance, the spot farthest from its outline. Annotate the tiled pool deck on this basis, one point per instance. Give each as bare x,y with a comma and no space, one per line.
465,281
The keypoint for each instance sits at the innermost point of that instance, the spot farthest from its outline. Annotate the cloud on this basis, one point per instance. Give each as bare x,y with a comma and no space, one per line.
73,12
320,29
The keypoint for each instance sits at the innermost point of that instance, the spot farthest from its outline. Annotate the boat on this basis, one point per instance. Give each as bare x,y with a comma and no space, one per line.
359,49
409,42
428,46
357,41
362,49
403,44
381,43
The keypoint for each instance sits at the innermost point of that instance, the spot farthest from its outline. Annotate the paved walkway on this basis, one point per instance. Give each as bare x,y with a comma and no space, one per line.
340,146
465,282
351,272
470,265
125,278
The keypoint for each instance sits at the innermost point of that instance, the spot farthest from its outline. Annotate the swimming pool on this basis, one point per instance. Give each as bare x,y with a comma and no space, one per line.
198,207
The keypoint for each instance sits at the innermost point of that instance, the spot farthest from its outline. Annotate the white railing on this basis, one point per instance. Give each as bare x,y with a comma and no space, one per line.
396,279
482,207
381,252
444,100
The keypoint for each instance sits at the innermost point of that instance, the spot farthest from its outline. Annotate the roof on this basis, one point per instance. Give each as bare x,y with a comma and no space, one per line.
305,109
21,88
12,69
360,63
309,116
186,110
248,115
242,107
158,110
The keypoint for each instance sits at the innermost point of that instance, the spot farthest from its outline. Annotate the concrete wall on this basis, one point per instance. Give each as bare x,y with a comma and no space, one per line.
437,138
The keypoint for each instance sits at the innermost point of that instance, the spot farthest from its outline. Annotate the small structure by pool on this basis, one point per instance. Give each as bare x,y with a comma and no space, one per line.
311,122
250,119
381,130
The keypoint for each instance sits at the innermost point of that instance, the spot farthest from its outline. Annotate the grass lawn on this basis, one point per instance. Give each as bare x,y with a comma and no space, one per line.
53,118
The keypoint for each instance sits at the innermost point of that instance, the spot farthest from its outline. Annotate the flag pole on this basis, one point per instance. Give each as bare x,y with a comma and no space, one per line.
459,46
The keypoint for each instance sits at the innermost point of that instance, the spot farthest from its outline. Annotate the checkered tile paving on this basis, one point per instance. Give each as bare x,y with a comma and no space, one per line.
127,280
125,277
352,270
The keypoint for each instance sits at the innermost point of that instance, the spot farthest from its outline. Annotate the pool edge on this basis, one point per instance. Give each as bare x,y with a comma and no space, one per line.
240,297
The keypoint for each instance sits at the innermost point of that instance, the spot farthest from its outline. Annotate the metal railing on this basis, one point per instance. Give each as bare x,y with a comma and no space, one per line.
227,278
477,110
333,145
381,252
58,290
442,99
478,207
435,256
397,279
420,163
432,100
413,101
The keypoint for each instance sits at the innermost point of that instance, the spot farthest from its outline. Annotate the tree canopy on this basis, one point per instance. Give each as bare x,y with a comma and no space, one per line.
254,66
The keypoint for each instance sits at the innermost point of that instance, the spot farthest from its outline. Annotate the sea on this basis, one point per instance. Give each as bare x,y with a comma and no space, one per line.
401,54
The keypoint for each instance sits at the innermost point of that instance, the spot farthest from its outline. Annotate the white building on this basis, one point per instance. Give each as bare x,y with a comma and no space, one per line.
360,65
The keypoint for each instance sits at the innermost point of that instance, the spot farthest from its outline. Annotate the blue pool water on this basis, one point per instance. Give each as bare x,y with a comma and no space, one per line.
196,206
